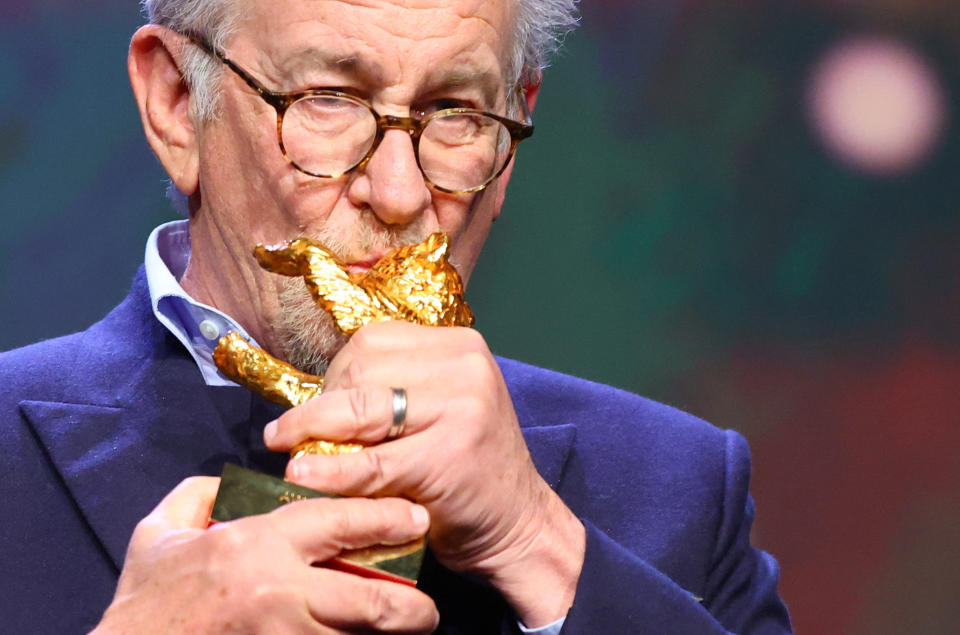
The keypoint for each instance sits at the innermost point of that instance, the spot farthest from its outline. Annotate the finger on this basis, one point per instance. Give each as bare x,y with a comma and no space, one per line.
383,470
353,368
400,335
351,602
187,506
363,414
402,346
321,528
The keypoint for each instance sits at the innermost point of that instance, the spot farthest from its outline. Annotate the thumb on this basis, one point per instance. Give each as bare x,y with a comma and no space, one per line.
187,506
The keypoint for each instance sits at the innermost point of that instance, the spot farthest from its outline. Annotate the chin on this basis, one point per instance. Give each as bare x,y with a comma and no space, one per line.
307,336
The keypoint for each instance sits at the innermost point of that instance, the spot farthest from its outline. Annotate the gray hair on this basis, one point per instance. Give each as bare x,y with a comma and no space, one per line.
212,19
540,27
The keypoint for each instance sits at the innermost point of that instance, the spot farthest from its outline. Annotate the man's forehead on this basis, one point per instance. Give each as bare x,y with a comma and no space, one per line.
416,20
450,73
442,42
330,25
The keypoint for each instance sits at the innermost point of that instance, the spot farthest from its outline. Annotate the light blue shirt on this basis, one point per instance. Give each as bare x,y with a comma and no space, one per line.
199,326
553,628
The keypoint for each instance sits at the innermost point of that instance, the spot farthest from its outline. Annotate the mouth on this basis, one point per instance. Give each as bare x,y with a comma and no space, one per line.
364,265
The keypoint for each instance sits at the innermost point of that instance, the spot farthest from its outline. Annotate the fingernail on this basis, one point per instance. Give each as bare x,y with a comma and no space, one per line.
295,470
421,517
269,432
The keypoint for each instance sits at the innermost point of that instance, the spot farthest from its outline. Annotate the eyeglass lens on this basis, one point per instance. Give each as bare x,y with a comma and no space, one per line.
327,135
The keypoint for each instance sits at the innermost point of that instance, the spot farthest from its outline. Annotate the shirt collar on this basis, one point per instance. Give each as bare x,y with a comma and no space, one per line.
197,325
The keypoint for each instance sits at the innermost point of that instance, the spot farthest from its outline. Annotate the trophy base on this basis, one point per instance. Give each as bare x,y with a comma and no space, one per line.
244,493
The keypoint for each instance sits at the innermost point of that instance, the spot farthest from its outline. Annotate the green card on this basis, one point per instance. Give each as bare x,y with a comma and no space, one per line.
244,492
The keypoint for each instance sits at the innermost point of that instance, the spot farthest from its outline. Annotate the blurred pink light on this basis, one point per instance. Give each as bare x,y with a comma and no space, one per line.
877,105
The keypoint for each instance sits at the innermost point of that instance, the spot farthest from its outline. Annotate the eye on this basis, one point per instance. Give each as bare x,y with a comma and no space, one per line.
321,102
442,104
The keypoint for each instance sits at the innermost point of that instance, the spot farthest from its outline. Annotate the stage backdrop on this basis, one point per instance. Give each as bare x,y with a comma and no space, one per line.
748,212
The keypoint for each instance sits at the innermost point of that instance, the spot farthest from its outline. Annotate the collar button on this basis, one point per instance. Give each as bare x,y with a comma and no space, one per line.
209,330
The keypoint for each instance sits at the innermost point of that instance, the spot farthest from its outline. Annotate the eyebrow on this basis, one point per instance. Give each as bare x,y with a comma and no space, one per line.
488,82
311,58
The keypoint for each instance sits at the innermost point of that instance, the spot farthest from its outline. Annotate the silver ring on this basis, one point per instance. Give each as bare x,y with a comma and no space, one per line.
399,413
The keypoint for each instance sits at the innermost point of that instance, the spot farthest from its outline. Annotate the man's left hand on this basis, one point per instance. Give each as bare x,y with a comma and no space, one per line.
461,455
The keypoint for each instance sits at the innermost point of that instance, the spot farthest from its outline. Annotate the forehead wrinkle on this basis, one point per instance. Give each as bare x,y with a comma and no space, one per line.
417,29
433,20
457,68
313,58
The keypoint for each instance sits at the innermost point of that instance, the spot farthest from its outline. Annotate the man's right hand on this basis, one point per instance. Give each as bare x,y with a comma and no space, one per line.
255,575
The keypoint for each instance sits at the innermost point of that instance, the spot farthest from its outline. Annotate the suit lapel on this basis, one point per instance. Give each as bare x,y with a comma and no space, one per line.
119,461
130,417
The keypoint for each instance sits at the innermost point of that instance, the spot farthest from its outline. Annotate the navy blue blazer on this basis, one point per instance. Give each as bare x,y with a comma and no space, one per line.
98,426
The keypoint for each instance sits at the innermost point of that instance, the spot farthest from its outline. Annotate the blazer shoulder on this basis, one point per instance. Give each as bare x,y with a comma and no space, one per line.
70,368
547,397
33,371
661,483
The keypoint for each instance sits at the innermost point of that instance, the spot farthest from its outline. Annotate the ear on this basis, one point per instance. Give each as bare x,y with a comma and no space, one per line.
530,92
164,102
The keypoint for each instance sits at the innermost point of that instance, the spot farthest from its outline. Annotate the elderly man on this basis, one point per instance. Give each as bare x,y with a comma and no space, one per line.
552,503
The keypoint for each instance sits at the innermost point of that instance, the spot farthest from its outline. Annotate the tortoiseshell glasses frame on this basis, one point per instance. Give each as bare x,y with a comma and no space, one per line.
282,101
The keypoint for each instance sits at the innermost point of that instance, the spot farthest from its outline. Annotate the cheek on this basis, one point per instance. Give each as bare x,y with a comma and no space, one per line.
244,178
312,200
468,227
238,164
461,214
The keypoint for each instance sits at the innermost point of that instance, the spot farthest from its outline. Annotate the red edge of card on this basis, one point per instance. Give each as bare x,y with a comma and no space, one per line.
366,572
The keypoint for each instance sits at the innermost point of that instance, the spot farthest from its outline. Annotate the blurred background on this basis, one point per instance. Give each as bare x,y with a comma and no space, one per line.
746,210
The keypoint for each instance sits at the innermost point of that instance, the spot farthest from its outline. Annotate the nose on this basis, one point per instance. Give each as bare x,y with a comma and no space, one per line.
391,183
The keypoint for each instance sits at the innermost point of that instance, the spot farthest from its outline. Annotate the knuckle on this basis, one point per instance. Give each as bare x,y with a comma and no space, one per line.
354,373
264,597
343,523
363,340
146,525
259,595
375,472
379,605
145,534
394,609
360,401
230,540
480,369
380,514
472,340
358,522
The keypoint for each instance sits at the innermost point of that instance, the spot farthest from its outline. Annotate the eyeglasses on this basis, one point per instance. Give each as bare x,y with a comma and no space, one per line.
329,133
